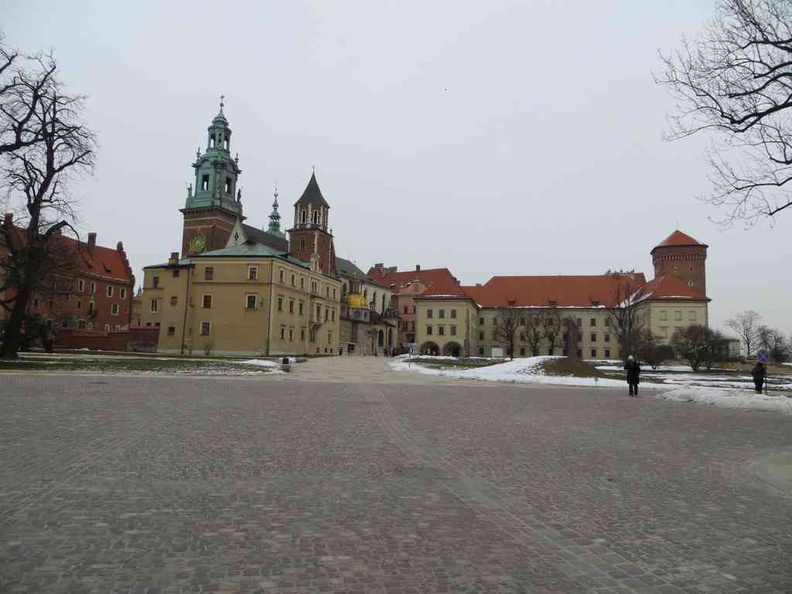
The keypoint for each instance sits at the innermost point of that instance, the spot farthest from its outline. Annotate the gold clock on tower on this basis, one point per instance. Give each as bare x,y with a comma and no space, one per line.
197,243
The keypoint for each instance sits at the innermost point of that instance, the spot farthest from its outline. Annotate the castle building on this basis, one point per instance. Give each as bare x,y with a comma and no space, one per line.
557,315
92,289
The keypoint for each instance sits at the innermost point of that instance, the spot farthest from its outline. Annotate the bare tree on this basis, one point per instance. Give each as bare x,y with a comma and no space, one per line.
551,328
38,164
746,325
735,80
507,324
571,336
533,331
625,317
694,343
774,342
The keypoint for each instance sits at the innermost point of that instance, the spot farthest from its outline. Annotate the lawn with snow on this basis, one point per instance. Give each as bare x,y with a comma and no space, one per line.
720,390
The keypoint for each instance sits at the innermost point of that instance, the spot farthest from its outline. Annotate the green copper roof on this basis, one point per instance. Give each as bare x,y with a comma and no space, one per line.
252,249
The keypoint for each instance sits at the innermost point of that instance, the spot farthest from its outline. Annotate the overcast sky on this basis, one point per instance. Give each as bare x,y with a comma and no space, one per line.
492,138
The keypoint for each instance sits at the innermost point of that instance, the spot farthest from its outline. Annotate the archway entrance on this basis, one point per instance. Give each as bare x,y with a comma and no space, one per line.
452,349
429,348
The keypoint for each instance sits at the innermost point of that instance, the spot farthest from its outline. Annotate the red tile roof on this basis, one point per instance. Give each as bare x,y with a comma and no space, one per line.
670,287
677,238
563,291
436,280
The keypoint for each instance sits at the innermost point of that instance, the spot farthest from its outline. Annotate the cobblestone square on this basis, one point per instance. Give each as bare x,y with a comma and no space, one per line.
346,477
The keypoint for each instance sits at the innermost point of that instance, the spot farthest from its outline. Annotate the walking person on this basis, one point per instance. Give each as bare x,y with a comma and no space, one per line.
633,374
759,372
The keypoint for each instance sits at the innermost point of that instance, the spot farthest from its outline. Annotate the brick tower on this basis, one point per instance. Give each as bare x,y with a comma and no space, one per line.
214,203
683,257
309,239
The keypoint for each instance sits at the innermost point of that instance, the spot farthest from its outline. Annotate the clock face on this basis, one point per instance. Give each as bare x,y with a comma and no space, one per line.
197,243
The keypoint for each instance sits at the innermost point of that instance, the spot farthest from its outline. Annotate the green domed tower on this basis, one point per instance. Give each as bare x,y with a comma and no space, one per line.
213,202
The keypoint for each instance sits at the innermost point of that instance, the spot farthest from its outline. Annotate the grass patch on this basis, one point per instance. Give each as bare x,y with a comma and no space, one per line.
566,367
125,364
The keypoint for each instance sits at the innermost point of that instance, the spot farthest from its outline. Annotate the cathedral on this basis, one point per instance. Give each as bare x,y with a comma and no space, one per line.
238,289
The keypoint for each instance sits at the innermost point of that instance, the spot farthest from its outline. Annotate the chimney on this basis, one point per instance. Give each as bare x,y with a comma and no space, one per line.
379,265
9,219
174,259
120,246
92,239
417,268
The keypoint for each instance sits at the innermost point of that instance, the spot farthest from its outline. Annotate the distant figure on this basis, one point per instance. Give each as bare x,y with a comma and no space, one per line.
759,372
633,374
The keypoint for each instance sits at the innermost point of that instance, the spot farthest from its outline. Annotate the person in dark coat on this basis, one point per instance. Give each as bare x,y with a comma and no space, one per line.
759,372
633,374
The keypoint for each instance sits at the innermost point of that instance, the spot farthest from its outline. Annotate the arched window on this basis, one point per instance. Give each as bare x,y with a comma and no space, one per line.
212,141
303,216
315,217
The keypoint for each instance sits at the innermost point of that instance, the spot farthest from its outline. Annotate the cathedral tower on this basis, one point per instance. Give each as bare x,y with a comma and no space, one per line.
213,202
309,239
683,257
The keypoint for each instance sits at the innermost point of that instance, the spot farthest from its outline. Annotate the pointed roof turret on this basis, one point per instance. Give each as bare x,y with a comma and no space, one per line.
677,239
312,194
274,219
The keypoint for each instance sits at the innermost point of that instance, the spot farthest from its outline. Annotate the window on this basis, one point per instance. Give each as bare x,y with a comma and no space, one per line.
314,287
81,324
332,315
607,353
579,322
110,289
171,330
405,309
228,185
153,306
441,313
593,337
79,304
154,282
429,330
522,351
453,330
209,273
607,322
122,293
291,306
205,177
593,321
678,315
327,291
280,276
301,308
175,274
283,333
252,272
302,333
453,314
250,301
481,336
692,316
593,353
607,337
481,321
664,331
441,330
291,334
318,312
327,314
174,300
663,315
481,351
429,313
81,285
205,328
93,288
207,302
280,303
302,283
292,280
114,309
580,353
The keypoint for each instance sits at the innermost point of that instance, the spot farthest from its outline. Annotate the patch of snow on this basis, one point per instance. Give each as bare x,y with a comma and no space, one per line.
262,362
728,398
